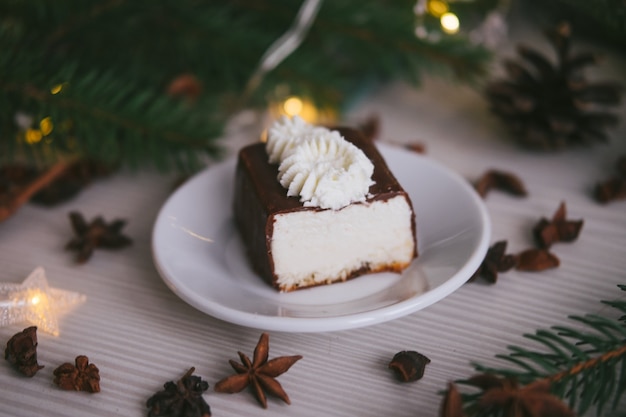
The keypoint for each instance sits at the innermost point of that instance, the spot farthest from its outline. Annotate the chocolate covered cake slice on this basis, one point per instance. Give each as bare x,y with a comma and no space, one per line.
294,242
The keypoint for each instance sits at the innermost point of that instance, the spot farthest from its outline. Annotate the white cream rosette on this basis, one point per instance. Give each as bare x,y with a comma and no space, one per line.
285,134
325,170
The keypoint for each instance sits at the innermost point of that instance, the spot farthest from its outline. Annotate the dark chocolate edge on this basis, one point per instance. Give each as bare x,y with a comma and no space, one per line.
251,216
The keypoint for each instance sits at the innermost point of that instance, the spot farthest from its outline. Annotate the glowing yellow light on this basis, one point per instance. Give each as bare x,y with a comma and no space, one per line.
449,23
33,136
56,89
302,107
46,126
293,106
437,7
35,300
296,106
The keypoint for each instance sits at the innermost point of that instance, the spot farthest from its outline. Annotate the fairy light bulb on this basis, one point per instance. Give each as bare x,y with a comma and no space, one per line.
46,126
293,106
288,104
56,89
296,106
437,8
449,23
33,136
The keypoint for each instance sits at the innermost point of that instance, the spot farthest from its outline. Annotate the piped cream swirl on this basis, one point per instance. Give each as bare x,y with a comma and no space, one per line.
318,164
285,134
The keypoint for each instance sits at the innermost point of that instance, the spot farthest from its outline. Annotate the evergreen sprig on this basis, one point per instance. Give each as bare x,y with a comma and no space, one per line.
102,115
115,60
584,365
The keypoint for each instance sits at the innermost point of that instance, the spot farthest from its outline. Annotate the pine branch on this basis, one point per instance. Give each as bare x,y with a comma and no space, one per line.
116,59
103,115
585,366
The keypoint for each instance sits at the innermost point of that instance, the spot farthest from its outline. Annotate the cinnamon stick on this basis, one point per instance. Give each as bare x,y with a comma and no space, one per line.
15,201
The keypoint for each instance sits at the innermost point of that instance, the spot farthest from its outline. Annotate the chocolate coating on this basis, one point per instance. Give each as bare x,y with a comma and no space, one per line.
259,196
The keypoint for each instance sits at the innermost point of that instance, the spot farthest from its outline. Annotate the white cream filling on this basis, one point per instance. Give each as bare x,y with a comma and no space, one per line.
310,247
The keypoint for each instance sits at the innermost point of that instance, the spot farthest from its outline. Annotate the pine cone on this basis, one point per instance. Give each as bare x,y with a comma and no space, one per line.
550,107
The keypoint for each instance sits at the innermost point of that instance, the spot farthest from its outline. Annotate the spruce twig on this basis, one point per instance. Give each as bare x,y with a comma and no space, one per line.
586,367
116,58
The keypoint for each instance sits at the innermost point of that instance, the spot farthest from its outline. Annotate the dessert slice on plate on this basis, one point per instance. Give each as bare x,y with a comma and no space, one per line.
316,206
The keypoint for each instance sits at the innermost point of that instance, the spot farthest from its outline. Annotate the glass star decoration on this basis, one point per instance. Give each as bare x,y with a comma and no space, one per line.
36,302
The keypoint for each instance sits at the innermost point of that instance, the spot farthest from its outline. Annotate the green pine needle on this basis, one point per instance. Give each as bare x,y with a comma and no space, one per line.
585,365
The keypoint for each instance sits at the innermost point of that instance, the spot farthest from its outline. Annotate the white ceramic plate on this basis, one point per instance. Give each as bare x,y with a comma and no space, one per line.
201,258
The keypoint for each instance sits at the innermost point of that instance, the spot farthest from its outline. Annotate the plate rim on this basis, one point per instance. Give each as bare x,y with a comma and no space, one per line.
341,322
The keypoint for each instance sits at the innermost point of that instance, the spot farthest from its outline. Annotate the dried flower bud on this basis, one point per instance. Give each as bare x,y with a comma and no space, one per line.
82,376
500,180
409,365
21,351
535,260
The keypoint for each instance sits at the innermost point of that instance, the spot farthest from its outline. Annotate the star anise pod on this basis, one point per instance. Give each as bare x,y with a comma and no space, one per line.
80,376
181,399
495,261
511,400
21,351
559,229
500,180
96,234
536,260
259,374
